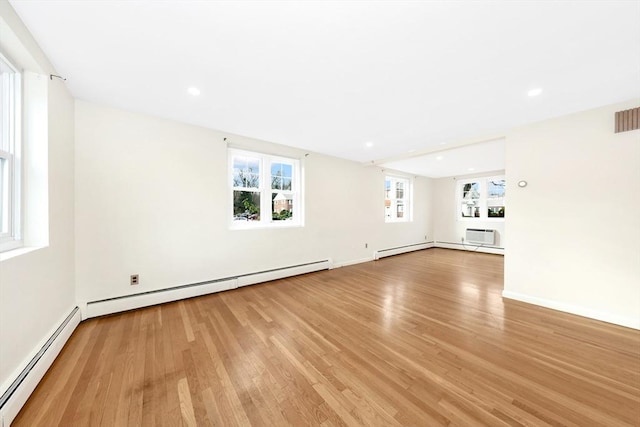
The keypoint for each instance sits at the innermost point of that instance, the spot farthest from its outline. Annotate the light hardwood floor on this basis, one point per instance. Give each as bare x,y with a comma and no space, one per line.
418,339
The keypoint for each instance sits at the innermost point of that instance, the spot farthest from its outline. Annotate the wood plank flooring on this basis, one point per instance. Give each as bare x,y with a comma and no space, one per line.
420,339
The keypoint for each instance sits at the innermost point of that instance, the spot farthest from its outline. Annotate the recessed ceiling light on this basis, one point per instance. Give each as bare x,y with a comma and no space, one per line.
368,144
443,143
471,169
439,158
413,150
534,92
193,91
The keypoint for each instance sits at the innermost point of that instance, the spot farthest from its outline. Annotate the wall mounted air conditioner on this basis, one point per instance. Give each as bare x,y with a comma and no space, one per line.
480,236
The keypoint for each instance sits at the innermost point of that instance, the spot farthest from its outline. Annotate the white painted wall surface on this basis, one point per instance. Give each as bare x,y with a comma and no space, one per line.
448,226
152,199
573,235
37,288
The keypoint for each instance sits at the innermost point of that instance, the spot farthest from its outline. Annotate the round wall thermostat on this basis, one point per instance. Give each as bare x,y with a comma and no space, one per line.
522,184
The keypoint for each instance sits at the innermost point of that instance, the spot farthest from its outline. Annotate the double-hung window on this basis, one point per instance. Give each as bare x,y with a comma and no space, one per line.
397,199
10,159
481,198
266,190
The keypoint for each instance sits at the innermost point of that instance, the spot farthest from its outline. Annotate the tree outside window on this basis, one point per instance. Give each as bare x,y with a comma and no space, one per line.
482,198
262,183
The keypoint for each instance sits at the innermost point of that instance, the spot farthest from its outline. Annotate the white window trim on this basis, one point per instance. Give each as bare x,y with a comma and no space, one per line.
407,199
483,205
265,191
11,195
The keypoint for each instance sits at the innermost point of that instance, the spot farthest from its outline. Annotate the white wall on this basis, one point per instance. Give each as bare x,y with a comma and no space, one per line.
152,199
37,288
448,226
573,234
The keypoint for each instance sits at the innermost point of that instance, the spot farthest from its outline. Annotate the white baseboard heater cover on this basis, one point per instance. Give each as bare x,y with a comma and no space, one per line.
16,395
279,273
480,236
161,296
401,250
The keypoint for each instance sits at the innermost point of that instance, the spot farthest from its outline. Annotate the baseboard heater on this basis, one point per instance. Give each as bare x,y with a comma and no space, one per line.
14,398
480,236
402,249
279,273
160,296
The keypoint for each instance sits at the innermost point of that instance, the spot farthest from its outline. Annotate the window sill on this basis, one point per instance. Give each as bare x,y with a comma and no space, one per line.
481,219
264,226
13,253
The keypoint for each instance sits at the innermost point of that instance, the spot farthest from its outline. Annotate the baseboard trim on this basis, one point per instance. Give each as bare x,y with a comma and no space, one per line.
280,273
352,262
16,395
470,248
627,322
382,253
160,296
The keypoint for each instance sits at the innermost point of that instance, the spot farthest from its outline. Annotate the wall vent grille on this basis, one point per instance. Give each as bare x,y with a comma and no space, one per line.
628,120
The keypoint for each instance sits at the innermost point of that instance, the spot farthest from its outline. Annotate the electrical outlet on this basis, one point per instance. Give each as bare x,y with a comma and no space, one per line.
462,239
134,279
366,245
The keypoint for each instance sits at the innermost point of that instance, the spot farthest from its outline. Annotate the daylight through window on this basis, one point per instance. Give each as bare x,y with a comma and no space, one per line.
481,198
9,156
266,190
397,197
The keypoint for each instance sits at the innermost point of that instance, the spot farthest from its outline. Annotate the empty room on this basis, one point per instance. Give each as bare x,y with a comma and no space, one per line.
319,213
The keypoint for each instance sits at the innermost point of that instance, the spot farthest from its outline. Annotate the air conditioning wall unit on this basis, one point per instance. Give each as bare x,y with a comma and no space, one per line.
480,236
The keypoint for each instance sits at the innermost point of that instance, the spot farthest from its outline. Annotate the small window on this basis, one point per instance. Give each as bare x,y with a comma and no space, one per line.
470,204
266,190
397,201
10,163
495,198
481,198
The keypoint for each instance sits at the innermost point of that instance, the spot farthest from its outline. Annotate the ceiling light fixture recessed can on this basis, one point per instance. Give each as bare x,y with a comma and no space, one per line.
439,158
194,91
368,144
534,92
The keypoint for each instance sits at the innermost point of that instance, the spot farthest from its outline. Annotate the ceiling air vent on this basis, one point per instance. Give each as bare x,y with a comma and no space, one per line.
628,120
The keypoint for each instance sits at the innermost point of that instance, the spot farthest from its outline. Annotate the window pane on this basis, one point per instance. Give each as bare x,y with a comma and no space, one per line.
281,206
400,210
471,191
4,111
246,172
495,212
281,176
4,202
7,105
399,190
470,206
495,198
496,188
246,206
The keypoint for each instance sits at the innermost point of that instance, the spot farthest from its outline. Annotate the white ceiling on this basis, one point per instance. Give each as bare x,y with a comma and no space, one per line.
470,159
331,76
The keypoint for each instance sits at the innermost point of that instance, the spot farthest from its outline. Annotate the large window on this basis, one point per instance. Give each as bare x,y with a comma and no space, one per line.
481,198
397,199
265,190
10,163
